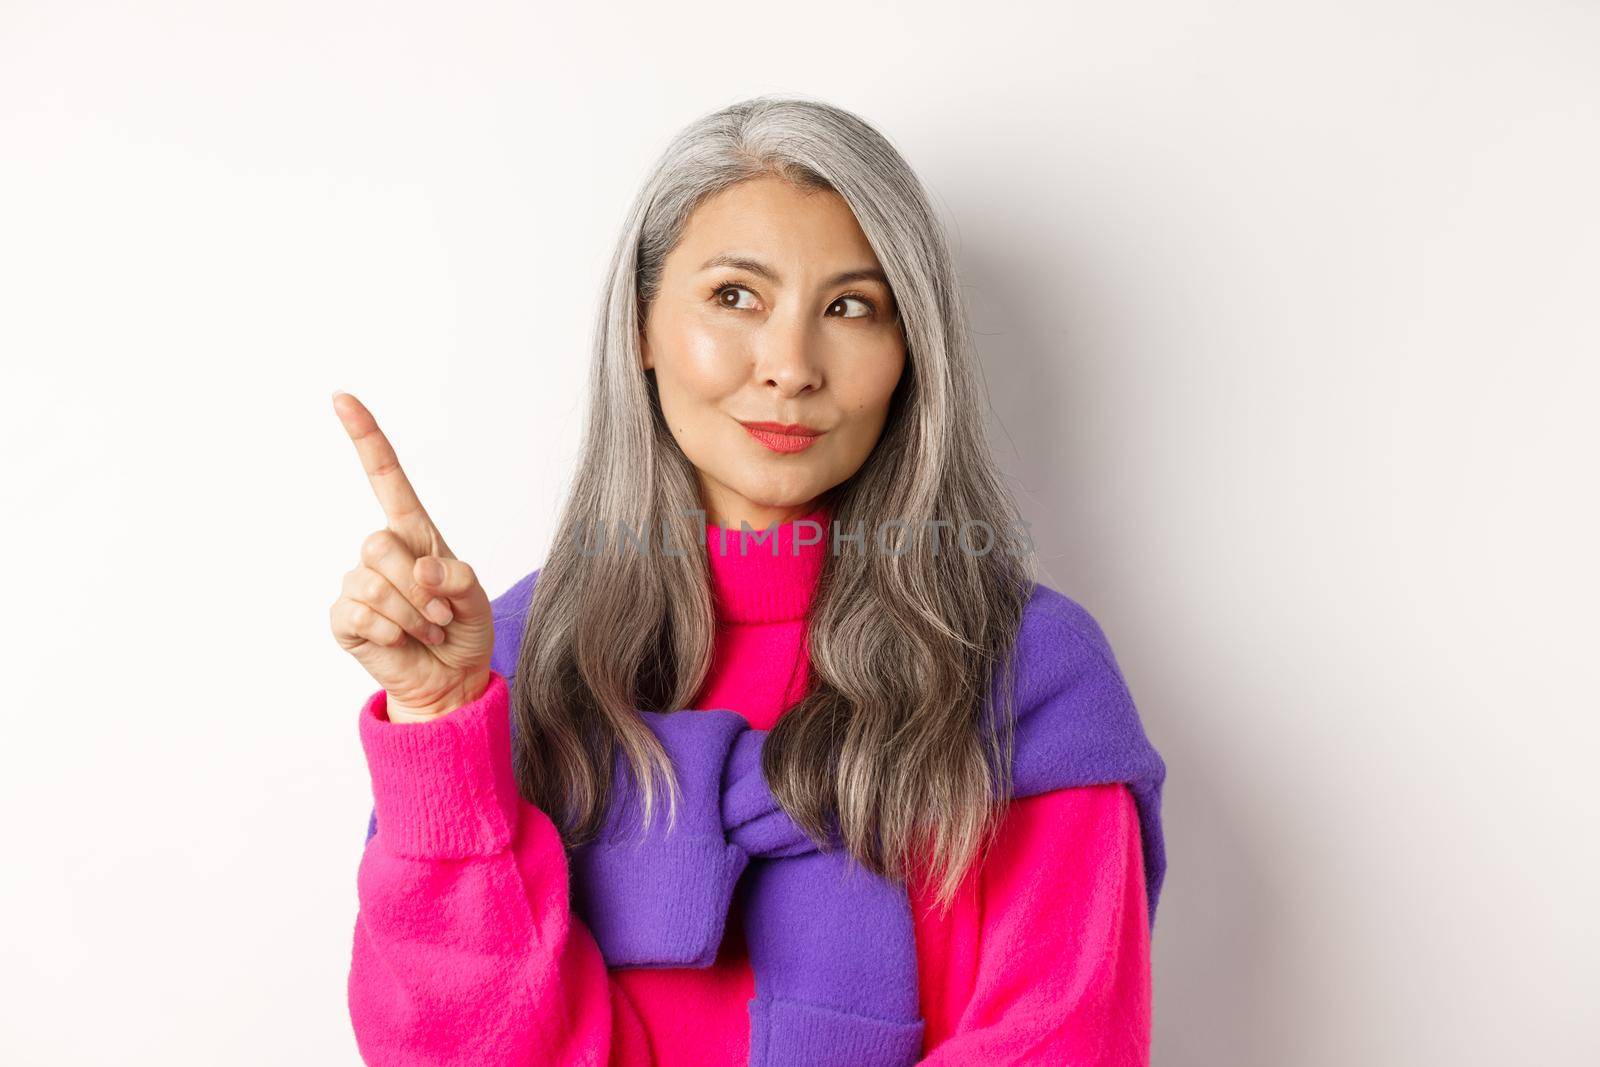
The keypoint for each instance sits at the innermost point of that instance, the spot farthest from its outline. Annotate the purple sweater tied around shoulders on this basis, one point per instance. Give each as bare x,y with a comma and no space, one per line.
832,946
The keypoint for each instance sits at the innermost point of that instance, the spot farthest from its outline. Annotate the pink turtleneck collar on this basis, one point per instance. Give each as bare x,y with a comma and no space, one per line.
771,579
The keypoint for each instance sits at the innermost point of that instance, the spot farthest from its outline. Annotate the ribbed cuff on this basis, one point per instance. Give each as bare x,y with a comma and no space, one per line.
660,902
443,789
785,1032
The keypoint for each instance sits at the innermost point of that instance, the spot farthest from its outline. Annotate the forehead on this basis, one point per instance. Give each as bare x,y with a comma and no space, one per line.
767,218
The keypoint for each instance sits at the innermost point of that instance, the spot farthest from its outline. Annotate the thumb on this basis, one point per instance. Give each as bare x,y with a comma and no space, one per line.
456,584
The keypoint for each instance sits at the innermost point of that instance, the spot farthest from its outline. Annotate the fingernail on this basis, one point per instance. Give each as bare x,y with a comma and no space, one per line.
438,611
432,571
435,636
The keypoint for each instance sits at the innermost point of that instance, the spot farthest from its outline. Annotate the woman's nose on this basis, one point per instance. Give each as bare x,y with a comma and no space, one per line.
789,357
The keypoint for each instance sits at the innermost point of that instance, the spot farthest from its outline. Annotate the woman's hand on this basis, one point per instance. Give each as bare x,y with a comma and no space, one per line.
410,612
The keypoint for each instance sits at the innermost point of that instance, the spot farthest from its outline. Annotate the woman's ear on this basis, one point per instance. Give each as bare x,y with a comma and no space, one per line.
644,350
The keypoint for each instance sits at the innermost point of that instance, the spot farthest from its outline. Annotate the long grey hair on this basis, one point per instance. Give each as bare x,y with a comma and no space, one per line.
891,741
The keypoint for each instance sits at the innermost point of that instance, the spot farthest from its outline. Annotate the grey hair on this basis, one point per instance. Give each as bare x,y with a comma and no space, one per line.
891,739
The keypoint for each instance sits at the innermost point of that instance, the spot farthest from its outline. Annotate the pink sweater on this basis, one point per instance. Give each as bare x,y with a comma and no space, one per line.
465,950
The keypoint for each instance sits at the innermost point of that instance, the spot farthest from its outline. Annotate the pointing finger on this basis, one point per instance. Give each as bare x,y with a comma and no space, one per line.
401,506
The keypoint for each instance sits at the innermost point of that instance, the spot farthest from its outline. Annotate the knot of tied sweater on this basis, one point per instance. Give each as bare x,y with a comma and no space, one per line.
832,947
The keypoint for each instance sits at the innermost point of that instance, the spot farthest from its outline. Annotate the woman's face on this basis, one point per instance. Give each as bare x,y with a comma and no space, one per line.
773,309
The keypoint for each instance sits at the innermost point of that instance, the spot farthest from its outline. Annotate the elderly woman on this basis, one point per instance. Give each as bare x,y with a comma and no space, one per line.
858,789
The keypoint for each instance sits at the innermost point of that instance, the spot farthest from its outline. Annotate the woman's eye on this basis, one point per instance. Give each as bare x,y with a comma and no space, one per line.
722,292
854,299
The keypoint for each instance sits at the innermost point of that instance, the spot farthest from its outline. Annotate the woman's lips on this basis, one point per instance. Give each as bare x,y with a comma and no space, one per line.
781,437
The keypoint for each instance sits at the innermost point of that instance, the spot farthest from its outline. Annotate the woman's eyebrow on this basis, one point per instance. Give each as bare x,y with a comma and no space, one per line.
755,266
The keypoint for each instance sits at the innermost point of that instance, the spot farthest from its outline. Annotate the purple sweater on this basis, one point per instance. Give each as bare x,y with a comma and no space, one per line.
831,946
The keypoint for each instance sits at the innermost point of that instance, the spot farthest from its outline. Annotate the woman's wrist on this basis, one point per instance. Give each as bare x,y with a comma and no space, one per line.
471,689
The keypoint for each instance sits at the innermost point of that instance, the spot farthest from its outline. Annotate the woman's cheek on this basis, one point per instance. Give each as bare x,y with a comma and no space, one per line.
713,361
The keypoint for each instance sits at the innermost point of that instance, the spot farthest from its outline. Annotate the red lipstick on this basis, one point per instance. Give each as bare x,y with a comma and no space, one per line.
782,436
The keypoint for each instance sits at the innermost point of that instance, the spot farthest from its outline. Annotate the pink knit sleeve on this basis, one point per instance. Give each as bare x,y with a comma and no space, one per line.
1064,959
465,951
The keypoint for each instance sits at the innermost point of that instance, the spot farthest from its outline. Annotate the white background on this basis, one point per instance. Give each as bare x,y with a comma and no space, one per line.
1289,314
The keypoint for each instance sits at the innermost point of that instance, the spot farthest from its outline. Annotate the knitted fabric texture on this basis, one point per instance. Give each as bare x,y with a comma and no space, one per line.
831,945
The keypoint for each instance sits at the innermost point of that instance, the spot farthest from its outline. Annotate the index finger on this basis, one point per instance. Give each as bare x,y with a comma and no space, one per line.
378,459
